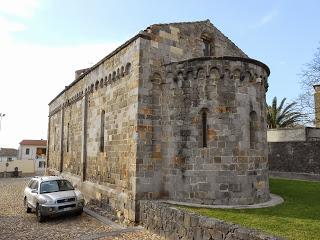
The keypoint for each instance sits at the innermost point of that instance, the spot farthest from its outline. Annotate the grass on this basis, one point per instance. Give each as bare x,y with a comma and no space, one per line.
297,218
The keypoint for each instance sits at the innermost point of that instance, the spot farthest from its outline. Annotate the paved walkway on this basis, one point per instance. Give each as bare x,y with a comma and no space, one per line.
274,200
15,223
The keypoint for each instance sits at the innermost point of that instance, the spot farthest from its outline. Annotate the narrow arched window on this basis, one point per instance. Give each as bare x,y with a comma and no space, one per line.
102,131
253,129
206,47
68,141
204,129
54,138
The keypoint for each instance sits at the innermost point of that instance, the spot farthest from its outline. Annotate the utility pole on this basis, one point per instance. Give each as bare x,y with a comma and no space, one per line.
1,116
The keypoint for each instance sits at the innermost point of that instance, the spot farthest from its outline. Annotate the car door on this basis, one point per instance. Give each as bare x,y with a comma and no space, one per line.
27,191
33,193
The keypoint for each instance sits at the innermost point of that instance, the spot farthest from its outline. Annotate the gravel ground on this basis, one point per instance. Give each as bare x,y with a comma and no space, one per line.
15,223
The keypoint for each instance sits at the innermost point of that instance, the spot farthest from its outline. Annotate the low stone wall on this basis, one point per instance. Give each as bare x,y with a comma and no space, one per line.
173,223
294,157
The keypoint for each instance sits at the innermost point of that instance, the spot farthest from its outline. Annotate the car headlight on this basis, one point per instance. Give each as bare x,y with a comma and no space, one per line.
43,200
79,195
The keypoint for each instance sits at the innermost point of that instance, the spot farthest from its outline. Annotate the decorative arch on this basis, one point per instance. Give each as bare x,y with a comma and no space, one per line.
201,73
128,68
122,71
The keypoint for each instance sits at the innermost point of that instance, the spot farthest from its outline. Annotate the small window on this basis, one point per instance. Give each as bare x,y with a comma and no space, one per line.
102,131
27,151
207,43
204,129
68,127
206,47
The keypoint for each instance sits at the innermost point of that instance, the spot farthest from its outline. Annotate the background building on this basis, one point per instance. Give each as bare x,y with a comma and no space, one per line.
34,150
8,154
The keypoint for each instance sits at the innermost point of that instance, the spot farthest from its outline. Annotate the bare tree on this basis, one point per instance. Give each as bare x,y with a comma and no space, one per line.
310,77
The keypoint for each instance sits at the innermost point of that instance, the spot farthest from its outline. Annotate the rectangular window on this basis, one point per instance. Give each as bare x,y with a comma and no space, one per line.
102,131
207,48
27,151
68,137
204,129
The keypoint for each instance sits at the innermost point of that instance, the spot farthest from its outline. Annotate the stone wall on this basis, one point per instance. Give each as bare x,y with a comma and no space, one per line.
295,157
92,131
171,161
173,223
231,167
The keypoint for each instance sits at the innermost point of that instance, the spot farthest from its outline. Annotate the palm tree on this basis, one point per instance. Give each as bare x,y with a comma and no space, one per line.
283,116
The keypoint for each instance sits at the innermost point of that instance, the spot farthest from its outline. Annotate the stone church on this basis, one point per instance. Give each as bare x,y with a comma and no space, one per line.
176,112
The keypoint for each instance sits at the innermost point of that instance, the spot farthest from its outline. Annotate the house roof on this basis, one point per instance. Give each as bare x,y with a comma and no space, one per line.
8,152
34,142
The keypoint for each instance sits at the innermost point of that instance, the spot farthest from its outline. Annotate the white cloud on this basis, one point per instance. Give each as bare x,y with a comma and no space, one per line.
19,8
268,17
31,76
6,29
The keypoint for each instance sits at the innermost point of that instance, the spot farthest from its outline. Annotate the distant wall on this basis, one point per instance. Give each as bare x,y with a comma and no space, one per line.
293,134
25,167
173,223
297,157
286,135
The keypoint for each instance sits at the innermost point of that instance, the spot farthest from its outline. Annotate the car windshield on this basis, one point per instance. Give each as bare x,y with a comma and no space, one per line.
55,186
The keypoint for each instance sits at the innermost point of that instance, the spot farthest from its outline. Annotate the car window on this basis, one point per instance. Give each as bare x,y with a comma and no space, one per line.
55,186
34,185
30,183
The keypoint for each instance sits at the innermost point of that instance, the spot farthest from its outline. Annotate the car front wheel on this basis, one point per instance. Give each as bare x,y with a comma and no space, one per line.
79,212
26,205
40,217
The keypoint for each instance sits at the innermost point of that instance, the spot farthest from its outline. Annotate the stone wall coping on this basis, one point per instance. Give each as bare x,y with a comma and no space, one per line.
295,176
274,200
230,58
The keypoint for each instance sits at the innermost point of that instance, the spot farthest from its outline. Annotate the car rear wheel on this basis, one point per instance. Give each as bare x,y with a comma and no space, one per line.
26,205
40,217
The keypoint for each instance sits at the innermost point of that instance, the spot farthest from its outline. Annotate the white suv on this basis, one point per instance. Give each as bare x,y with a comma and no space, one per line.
51,195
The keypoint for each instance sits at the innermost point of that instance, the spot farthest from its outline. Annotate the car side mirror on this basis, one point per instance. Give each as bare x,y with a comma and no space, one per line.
75,186
34,191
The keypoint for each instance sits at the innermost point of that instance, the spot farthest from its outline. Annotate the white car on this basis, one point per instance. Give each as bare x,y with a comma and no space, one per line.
51,195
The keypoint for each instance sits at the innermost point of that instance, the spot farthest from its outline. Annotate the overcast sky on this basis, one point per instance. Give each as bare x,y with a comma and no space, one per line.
42,43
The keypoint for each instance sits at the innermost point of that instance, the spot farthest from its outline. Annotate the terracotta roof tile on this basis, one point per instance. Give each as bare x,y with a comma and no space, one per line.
34,142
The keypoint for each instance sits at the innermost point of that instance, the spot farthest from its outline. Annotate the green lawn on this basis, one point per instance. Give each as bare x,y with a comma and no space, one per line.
297,218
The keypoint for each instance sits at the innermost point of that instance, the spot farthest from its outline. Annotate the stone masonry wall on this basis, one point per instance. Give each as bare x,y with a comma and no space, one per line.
92,131
173,223
295,157
231,167
168,43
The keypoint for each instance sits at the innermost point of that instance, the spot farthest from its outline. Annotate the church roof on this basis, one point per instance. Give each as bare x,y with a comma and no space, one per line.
143,34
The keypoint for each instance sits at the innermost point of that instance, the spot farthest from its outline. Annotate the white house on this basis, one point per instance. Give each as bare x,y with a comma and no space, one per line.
34,150
8,154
